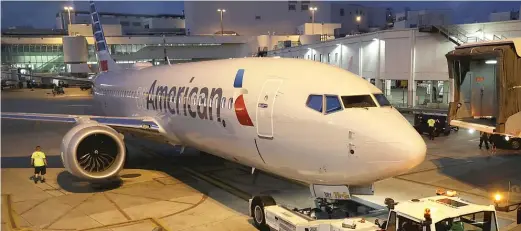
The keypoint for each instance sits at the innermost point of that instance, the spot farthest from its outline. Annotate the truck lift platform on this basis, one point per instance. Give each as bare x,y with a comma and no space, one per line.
487,87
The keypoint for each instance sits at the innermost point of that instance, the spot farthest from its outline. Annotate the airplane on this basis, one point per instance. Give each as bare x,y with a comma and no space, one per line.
298,119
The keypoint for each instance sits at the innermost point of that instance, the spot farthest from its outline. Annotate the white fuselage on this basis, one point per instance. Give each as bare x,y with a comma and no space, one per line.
287,138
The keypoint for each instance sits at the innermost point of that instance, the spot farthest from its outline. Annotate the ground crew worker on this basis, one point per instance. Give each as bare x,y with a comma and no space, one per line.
483,139
494,141
431,123
39,162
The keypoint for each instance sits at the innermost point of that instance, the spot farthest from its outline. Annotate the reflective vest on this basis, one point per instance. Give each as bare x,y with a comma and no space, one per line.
431,122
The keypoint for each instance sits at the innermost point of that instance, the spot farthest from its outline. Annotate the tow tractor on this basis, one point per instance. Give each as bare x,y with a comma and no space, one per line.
442,212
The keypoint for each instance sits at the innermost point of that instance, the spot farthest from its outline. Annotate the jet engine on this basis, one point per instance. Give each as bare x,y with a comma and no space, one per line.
93,151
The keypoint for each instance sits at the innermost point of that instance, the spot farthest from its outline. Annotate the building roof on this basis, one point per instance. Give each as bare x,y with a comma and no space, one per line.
180,16
441,207
515,41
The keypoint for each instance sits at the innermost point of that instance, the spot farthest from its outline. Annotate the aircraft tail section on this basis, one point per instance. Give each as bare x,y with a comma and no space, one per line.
105,61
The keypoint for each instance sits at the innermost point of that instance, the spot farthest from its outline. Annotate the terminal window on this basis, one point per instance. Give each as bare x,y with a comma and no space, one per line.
292,7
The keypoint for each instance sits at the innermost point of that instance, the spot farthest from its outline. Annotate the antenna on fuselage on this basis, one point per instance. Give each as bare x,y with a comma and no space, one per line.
164,50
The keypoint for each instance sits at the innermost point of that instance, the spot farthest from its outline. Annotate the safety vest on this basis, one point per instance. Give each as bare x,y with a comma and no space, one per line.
431,122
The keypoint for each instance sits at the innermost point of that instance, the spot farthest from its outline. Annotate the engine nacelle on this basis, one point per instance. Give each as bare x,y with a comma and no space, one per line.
93,151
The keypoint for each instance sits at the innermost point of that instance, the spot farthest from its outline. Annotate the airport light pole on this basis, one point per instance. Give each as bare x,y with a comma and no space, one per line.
68,9
313,9
221,11
358,20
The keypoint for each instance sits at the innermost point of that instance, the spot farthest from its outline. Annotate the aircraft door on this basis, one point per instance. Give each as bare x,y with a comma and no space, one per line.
466,89
483,102
265,106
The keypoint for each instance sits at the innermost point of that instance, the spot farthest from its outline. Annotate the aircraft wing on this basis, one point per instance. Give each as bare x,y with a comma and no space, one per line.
145,127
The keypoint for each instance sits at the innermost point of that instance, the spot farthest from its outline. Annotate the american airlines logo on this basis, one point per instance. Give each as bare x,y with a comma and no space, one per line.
188,101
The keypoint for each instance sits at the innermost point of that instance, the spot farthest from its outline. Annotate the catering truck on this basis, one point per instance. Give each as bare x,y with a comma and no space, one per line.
486,87
445,211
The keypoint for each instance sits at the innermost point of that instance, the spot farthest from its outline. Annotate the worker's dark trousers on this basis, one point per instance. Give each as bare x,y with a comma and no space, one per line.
481,140
431,133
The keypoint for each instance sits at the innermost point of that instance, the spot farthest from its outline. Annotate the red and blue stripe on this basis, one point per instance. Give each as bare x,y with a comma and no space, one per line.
240,107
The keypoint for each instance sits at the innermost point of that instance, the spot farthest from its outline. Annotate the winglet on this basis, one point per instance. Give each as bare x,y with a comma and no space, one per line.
105,61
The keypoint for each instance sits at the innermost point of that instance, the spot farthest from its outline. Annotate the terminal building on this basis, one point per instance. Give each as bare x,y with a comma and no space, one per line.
409,65
405,57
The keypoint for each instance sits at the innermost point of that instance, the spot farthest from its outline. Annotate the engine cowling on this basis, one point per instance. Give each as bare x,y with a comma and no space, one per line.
93,151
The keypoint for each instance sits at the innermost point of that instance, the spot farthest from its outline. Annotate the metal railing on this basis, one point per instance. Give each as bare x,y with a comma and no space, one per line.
460,35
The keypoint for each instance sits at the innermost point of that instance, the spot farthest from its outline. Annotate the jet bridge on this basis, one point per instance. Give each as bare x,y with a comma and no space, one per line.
487,86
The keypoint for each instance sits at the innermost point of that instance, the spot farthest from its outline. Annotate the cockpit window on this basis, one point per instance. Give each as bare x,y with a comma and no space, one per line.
355,101
382,100
315,102
332,104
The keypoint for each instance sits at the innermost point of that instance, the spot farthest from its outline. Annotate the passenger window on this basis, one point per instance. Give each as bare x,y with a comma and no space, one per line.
223,103
315,102
332,104
230,103
357,101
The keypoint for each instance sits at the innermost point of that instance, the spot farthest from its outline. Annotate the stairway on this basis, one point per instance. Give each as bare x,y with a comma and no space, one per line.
47,66
456,34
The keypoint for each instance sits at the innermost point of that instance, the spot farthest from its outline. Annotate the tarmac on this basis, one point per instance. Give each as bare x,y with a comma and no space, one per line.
163,189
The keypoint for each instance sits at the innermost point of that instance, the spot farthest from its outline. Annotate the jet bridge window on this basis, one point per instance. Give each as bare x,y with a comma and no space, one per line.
315,102
332,104
357,101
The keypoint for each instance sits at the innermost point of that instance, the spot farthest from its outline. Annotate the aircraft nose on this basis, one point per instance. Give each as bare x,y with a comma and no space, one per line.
412,149
408,147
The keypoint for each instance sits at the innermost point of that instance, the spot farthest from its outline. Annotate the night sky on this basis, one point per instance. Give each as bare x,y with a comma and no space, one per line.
41,14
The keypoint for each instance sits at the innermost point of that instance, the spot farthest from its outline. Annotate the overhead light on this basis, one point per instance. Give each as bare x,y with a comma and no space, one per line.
339,44
491,61
375,39
471,131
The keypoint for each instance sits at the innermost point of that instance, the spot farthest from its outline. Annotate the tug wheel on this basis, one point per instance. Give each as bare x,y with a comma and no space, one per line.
257,210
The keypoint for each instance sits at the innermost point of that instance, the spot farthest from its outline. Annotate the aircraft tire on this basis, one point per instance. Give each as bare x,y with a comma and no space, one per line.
257,207
125,164
515,144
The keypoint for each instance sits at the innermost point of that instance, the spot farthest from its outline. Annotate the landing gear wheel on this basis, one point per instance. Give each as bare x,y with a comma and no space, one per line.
125,164
257,210
515,144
